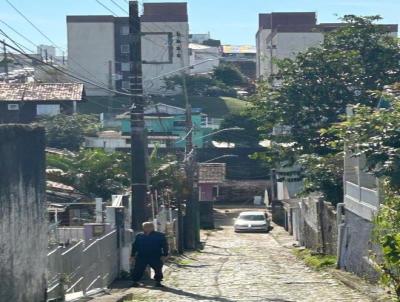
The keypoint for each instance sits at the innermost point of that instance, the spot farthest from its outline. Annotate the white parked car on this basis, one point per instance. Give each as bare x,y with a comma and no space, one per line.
254,221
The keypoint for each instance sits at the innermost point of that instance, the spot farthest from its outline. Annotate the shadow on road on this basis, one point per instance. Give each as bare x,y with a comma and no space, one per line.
183,293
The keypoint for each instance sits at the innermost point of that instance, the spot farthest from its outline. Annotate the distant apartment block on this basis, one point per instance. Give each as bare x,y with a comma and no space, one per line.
283,35
46,51
98,47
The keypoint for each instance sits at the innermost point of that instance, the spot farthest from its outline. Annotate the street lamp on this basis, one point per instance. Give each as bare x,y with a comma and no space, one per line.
181,69
210,134
219,157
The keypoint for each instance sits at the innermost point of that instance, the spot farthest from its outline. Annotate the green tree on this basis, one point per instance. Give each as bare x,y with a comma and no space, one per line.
229,74
68,131
199,85
374,134
248,137
316,87
196,84
93,172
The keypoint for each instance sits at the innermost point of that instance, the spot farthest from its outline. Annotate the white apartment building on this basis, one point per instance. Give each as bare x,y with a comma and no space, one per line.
98,47
283,35
165,45
46,51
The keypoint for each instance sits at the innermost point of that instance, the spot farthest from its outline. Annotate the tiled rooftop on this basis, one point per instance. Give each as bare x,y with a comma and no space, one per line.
41,92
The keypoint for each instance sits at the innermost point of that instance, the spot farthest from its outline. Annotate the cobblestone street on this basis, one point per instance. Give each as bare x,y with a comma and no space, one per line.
246,267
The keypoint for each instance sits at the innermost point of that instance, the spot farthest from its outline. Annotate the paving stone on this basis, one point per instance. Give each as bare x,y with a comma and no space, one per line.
247,267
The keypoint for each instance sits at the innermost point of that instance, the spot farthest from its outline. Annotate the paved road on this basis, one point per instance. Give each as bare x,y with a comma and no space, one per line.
246,267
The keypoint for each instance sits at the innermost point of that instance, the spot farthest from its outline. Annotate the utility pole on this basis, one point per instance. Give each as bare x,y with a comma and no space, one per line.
139,153
192,213
5,60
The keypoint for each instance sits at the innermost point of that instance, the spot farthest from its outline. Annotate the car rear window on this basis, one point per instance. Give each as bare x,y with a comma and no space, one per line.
252,217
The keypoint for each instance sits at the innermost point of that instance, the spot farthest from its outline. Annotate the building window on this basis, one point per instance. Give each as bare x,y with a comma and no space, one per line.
125,48
124,30
125,85
125,66
13,107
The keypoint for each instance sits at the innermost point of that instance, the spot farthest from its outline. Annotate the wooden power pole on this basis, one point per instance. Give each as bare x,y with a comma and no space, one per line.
139,152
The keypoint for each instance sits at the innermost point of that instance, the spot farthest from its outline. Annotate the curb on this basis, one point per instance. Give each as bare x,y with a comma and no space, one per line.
354,282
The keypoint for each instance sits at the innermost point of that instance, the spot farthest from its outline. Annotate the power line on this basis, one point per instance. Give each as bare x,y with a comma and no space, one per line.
52,42
18,33
107,8
30,22
119,6
67,73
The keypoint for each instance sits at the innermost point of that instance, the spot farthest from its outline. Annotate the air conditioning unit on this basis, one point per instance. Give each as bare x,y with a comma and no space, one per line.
13,107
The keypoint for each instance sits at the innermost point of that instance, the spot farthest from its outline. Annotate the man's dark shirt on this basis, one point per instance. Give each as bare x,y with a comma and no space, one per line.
153,245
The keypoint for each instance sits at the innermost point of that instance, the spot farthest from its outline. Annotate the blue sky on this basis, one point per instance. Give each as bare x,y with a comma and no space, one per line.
232,21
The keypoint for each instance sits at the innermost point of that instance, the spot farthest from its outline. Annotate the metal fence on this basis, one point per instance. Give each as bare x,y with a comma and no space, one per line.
79,269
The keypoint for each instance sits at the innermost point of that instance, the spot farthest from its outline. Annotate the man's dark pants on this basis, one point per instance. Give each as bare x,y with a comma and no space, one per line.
140,266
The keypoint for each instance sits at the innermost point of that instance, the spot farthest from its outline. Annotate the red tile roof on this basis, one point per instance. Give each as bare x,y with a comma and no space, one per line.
41,92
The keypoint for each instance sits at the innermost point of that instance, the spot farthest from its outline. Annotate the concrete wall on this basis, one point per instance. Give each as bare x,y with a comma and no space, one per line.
23,226
290,44
90,48
356,246
313,222
263,65
285,45
159,52
200,55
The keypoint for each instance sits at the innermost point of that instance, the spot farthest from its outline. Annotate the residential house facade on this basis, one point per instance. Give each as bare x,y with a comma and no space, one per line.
166,128
98,47
24,102
162,120
203,58
210,177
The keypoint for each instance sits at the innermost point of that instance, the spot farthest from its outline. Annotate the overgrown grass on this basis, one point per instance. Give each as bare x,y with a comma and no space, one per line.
314,260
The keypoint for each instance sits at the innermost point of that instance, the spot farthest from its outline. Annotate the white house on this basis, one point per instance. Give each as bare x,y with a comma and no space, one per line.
203,58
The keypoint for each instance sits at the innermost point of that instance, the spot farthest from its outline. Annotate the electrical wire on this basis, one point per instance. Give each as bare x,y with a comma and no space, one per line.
67,73
119,6
54,44
107,8
18,33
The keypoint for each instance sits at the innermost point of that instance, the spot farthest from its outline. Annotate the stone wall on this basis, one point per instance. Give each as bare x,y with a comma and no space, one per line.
311,229
329,228
313,223
23,227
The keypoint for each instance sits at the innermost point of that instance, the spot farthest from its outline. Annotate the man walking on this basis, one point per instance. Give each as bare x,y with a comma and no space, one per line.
150,248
